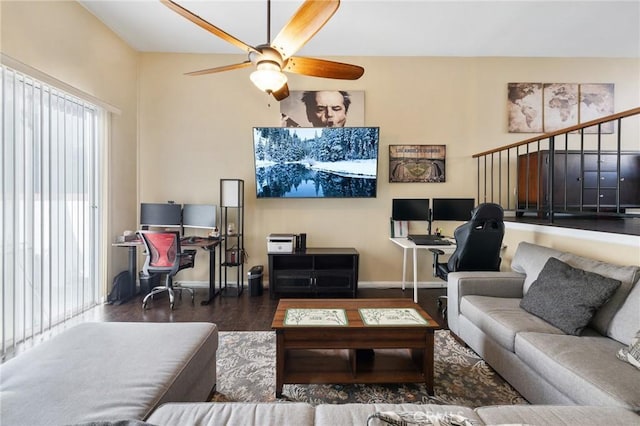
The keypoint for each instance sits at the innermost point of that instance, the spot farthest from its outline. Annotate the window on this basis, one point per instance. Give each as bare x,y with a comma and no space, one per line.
50,178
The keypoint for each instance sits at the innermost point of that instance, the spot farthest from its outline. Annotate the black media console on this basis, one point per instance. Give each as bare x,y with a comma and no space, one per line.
313,272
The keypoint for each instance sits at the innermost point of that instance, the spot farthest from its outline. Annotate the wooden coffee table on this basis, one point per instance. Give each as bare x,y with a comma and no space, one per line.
317,339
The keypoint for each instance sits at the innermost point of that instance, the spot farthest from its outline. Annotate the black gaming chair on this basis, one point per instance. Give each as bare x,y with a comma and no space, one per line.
478,244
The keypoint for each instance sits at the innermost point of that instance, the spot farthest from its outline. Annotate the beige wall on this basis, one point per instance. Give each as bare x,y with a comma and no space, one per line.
196,130
616,249
193,131
65,41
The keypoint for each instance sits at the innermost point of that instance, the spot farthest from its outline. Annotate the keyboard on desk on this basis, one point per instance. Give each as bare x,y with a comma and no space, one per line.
197,240
428,240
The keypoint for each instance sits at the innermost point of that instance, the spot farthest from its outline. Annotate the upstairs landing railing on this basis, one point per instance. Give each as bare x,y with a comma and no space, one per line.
581,170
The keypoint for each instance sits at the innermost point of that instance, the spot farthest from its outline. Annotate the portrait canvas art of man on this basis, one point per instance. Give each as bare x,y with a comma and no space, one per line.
323,108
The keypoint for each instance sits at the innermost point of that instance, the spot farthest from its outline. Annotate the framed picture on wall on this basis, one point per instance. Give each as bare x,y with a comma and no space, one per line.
524,105
546,107
596,101
323,108
560,105
417,163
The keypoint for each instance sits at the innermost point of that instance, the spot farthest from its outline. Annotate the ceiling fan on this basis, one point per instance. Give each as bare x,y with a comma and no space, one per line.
274,57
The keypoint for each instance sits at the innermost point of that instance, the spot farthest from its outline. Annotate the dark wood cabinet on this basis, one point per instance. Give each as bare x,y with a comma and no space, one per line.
581,181
316,271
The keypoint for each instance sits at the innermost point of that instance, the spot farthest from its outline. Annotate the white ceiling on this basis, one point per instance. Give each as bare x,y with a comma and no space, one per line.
392,28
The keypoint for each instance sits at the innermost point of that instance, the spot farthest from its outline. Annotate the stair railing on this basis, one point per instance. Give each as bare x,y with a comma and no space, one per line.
549,170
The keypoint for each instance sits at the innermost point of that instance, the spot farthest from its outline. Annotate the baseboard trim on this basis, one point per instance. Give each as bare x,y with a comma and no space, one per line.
361,284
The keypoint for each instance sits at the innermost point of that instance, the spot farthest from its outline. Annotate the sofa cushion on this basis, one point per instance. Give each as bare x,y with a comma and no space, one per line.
557,415
627,275
632,353
567,297
357,414
108,371
233,414
584,367
626,321
502,318
529,259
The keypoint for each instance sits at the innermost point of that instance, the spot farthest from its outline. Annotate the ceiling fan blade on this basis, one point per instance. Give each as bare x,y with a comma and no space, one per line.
323,68
281,93
220,69
303,25
207,26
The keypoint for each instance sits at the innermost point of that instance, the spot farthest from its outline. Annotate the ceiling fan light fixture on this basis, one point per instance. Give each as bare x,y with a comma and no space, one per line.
268,77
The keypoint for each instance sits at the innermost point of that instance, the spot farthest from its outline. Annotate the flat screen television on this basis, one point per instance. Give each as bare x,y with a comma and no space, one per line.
309,162
160,214
453,208
199,216
410,209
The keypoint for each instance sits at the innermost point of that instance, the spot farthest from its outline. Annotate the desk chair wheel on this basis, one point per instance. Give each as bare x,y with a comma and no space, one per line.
191,291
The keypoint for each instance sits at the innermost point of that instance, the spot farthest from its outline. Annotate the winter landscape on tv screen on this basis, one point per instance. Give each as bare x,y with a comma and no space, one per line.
316,162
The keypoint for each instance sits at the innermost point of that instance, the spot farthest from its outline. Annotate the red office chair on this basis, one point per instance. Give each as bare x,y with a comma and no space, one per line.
165,257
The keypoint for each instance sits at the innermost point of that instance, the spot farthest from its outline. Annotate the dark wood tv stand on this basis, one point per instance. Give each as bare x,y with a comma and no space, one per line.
313,272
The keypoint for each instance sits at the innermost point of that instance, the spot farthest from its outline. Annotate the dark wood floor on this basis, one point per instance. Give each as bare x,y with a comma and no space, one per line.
229,313
243,313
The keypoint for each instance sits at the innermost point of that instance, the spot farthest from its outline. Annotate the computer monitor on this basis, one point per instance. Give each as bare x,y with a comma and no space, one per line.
199,216
410,209
453,208
160,214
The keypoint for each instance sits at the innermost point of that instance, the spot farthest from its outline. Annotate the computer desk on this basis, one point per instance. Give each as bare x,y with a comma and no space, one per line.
204,243
406,245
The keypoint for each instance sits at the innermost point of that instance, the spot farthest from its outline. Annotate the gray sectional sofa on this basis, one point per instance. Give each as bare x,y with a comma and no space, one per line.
161,373
545,364
302,414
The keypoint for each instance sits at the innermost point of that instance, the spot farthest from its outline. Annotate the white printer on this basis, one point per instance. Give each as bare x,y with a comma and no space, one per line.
281,243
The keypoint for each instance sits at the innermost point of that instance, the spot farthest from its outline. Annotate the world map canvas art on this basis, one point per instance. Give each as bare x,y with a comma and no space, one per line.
560,109
525,107
547,107
596,100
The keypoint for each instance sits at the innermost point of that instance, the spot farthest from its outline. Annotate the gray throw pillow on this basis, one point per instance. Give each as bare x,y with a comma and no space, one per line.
567,297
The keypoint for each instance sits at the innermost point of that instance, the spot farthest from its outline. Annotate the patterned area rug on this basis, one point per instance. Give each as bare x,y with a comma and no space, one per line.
246,373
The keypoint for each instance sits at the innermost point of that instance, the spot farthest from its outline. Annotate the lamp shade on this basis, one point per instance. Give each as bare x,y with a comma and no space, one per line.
268,77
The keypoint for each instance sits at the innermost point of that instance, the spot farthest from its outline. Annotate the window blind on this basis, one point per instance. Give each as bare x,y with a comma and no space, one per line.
49,165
